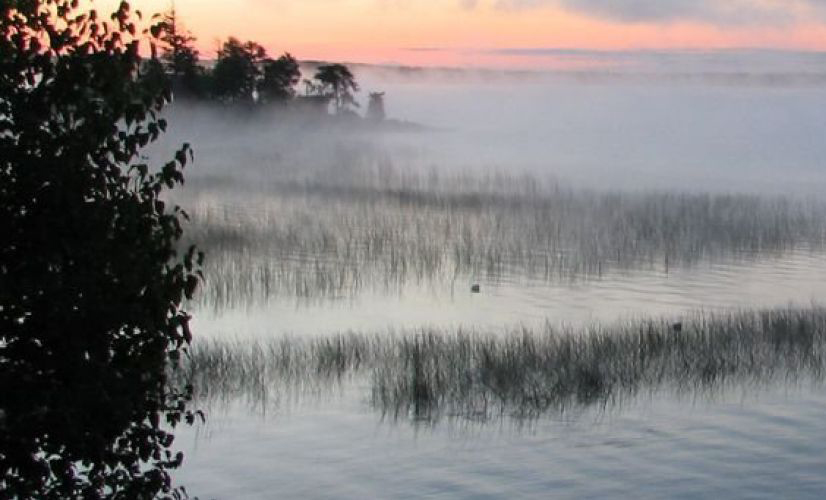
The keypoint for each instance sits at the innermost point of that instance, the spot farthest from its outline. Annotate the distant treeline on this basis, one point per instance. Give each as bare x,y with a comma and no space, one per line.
244,73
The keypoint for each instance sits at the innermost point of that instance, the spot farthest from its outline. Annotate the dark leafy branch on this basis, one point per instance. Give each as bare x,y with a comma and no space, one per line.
91,279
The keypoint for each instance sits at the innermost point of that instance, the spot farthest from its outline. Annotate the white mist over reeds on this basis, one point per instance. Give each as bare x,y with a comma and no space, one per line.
319,238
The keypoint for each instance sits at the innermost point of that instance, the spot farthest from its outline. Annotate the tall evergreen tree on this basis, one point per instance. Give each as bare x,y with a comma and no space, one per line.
179,55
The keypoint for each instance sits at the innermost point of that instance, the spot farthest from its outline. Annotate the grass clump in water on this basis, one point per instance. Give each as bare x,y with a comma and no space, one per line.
526,373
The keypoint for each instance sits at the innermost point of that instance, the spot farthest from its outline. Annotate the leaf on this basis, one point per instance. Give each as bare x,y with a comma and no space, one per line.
180,156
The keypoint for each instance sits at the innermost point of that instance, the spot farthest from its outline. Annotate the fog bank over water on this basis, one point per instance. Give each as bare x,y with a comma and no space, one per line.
730,121
679,121
743,65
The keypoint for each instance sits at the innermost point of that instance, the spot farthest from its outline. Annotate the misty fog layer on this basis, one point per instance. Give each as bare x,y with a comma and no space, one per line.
629,135
620,131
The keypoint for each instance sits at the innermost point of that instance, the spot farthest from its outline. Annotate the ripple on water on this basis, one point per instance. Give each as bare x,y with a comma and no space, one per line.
798,277
762,445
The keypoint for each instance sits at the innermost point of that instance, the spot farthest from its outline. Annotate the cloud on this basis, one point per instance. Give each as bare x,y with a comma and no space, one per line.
721,12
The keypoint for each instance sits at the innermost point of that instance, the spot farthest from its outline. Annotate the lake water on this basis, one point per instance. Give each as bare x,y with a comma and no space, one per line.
798,278
741,445
335,200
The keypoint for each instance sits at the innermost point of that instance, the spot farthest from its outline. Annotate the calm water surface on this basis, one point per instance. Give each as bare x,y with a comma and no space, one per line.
744,444
797,278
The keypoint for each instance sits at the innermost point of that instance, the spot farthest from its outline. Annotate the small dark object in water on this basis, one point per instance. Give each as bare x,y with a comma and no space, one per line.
677,327
475,288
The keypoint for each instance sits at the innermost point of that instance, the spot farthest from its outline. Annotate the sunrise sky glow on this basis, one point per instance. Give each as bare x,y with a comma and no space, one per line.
497,33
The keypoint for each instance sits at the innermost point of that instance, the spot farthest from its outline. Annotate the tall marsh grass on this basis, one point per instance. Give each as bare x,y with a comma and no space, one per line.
319,239
522,373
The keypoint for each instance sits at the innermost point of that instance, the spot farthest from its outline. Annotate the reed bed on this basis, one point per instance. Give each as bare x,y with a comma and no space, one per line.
256,371
429,374
320,240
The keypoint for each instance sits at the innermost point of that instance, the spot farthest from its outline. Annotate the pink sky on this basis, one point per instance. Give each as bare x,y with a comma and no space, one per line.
467,32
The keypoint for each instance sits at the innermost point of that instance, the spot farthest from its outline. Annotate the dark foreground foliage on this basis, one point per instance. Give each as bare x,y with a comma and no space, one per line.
90,282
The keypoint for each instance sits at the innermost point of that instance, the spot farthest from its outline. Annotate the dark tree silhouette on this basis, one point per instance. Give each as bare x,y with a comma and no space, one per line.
237,71
178,52
91,278
280,78
179,55
339,83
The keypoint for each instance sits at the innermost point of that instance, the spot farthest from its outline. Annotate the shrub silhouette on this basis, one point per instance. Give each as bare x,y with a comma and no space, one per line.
91,279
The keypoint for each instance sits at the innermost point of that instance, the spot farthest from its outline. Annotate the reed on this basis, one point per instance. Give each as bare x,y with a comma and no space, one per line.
320,239
521,373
